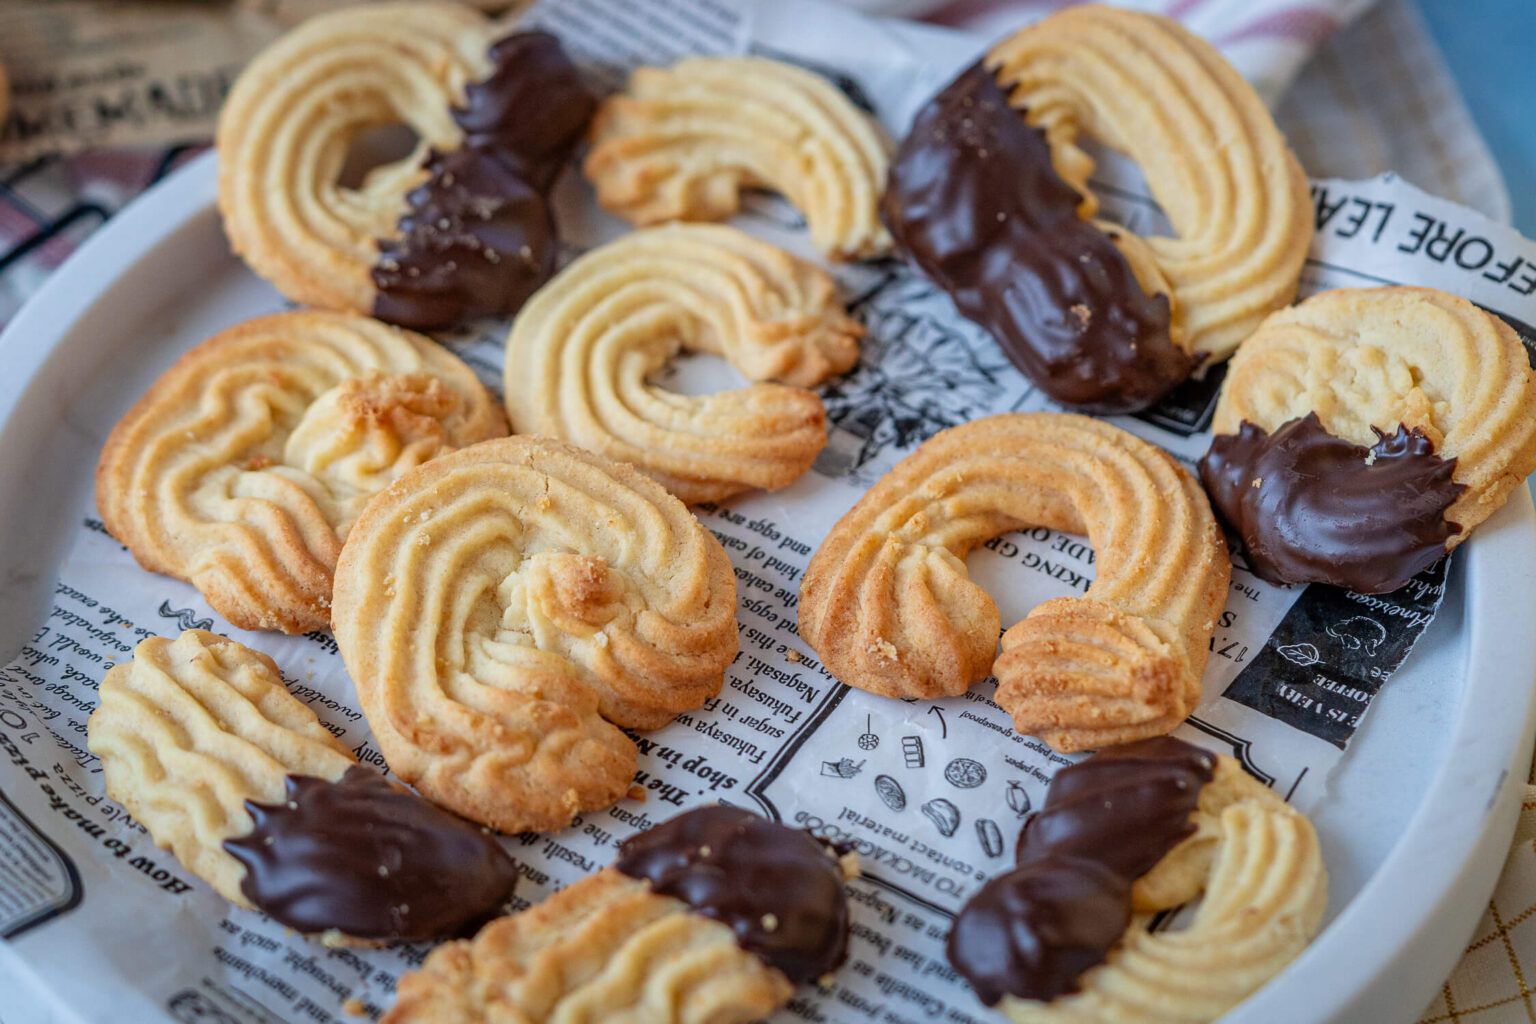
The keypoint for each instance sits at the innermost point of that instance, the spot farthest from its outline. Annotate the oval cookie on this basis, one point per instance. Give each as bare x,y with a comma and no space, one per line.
582,351
505,609
888,605
243,467
202,743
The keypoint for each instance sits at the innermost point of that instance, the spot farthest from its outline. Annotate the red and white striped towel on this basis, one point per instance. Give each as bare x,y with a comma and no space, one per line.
1267,40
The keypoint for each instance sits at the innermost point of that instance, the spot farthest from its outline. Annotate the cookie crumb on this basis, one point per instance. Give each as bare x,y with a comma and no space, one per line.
353,1007
637,793
793,656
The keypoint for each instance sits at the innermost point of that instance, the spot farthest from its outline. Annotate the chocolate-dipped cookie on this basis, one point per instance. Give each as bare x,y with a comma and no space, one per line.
723,911
1363,433
462,226
989,197
204,745
1136,829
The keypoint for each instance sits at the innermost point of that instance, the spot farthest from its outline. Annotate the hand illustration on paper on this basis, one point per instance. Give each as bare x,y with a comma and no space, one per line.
843,769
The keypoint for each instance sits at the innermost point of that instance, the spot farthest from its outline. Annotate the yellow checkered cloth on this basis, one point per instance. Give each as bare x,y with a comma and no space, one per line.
1492,982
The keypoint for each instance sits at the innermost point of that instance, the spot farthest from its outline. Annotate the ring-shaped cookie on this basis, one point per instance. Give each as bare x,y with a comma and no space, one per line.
888,605
505,609
243,467
1064,937
681,143
458,228
1363,433
1214,160
583,347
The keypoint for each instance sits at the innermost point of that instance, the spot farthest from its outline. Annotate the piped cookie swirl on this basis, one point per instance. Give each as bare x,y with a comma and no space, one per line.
995,205
583,351
715,915
244,466
1064,938
889,607
1363,433
202,742
458,229
506,609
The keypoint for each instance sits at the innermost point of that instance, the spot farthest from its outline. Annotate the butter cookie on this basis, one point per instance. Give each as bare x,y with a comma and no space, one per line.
712,917
505,609
888,605
243,467
582,350
1363,433
682,143
201,741
1133,830
989,197
458,228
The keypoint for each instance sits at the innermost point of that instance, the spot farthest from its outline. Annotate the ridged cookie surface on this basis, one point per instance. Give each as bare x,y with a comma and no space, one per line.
605,949
191,729
505,608
202,742
1384,357
1212,156
583,349
681,143
889,607
286,127
1259,867
242,468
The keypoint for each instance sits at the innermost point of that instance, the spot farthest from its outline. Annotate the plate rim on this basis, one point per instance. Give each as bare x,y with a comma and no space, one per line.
1377,925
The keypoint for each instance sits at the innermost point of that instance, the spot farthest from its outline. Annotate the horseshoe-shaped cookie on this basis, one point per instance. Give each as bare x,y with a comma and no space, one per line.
681,143
505,609
460,227
889,608
994,204
582,350
1063,937
1363,433
243,467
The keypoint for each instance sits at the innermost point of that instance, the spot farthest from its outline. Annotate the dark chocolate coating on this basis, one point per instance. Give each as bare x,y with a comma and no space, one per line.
1144,789
1323,514
370,859
778,888
479,236
973,201
1106,821
1033,931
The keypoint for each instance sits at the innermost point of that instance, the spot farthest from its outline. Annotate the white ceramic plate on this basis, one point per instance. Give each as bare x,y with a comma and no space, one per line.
1416,826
